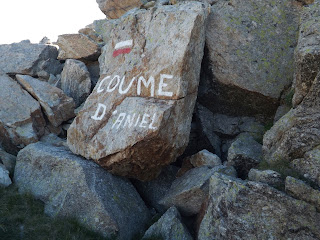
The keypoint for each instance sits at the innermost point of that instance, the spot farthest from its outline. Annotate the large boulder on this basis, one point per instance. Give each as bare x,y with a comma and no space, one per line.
31,59
250,55
73,187
21,119
116,8
75,81
249,210
5,180
8,160
307,53
138,117
56,105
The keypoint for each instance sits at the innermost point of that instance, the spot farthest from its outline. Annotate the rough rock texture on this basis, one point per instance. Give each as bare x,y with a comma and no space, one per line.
153,191
281,111
94,70
297,132
168,227
307,53
250,210
302,191
77,46
269,177
56,105
5,180
31,59
21,119
8,160
75,81
205,158
116,8
138,117
71,186
250,50
188,192
245,153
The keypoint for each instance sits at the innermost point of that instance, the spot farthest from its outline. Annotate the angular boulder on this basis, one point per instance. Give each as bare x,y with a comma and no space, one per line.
5,180
116,8
205,158
249,210
56,105
269,177
71,186
138,117
8,160
21,119
30,59
75,81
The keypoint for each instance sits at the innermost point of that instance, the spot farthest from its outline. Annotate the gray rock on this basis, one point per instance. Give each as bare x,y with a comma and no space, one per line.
245,153
188,192
94,70
75,81
253,127
54,140
281,111
56,105
168,227
5,180
116,8
77,46
250,51
143,108
205,158
153,191
30,59
21,119
269,177
307,54
249,210
71,186
8,160
302,191
226,125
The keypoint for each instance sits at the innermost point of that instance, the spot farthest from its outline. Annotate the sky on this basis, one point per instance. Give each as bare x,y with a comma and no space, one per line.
34,19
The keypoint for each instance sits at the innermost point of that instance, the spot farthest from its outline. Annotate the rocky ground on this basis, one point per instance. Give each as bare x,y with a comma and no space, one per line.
199,117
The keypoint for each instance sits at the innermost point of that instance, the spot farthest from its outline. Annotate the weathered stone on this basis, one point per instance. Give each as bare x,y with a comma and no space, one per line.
56,105
307,54
5,180
281,111
94,70
269,177
54,140
245,153
30,59
77,46
188,192
249,210
205,158
75,81
138,117
153,191
297,132
116,8
8,160
250,51
168,227
71,186
21,119
185,167
302,191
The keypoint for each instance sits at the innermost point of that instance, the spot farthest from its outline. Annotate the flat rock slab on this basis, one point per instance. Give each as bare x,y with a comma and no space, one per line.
57,106
21,119
138,117
71,186
116,8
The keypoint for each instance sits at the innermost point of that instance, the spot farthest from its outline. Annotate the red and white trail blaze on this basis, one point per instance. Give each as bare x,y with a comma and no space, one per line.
123,47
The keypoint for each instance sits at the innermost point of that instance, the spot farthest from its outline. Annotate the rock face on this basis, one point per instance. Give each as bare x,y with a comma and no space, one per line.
8,160
307,54
75,81
250,210
71,186
5,180
269,177
168,227
248,69
56,105
116,8
77,46
138,117
31,59
21,119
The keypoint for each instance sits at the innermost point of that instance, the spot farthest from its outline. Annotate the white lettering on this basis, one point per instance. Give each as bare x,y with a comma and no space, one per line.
151,126
138,119
115,86
96,115
99,90
129,86
146,84
163,85
129,120
144,120
119,120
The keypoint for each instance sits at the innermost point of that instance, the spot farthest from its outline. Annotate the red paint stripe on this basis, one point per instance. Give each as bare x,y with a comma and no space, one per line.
121,51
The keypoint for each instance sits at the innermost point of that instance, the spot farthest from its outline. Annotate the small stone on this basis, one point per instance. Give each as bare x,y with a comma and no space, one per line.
5,180
8,160
269,177
205,158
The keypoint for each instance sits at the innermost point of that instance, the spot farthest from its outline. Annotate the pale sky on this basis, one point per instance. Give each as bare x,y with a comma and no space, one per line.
34,19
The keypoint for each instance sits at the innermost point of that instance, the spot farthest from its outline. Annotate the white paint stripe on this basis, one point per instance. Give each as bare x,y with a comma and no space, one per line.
124,44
